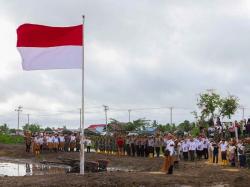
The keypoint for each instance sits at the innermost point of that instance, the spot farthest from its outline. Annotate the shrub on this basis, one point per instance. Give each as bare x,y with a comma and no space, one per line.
11,139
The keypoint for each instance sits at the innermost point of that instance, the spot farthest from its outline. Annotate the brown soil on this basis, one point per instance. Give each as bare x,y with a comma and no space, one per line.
142,172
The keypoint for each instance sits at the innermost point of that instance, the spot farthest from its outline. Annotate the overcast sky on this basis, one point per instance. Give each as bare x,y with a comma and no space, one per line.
138,54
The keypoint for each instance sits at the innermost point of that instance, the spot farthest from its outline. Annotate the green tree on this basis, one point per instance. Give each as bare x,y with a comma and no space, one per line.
173,127
12,130
229,105
209,103
164,128
185,126
48,129
32,127
154,124
4,128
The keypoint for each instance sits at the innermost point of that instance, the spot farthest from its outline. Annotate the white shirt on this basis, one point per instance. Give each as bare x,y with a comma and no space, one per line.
50,139
192,146
206,143
185,146
151,142
72,138
199,145
88,142
62,139
36,140
56,140
223,146
241,148
40,140
170,146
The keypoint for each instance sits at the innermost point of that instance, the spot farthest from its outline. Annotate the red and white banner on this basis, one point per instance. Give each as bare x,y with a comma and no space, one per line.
45,47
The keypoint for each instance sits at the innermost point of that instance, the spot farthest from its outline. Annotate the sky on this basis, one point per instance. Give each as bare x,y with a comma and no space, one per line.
141,55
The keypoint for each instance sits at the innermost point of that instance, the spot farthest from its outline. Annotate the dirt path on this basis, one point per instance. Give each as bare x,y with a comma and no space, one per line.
147,172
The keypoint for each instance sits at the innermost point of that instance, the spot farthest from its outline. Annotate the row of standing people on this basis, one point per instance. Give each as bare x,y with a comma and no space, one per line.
187,148
53,142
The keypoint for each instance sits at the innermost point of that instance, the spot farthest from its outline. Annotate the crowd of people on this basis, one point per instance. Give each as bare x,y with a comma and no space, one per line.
175,149
229,129
212,145
54,142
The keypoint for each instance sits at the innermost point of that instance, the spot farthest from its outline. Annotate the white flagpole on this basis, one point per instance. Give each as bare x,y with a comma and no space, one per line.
82,124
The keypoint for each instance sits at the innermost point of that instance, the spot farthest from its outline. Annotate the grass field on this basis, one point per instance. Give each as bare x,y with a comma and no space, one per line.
11,139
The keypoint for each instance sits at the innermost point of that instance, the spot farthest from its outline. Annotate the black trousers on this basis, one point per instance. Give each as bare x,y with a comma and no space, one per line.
146,150
199,154
223,155
142,150
88,149
157,150
128,150
185,156
138,151
215,157
133,149
151,150
191,152
171,169
205,152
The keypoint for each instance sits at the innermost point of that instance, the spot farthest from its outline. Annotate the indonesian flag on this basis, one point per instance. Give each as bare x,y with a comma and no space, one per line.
45,47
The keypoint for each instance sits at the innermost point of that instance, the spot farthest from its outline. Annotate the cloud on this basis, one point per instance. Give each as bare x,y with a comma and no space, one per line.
137,54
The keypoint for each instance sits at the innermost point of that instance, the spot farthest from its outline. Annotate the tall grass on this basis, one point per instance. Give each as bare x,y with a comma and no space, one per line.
11,139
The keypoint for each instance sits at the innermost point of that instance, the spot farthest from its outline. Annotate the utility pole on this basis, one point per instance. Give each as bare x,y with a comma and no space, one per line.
18,110
80,118
106,108
129,111
171,115
28,115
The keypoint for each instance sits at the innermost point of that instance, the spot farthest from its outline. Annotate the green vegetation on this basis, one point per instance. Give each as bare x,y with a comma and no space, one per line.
11,139
32,127
212,105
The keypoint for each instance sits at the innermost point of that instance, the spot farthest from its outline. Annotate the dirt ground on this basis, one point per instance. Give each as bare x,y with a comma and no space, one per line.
140,172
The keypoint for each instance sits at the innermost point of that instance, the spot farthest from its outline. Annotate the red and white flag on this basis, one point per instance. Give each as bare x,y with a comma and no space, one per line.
45,47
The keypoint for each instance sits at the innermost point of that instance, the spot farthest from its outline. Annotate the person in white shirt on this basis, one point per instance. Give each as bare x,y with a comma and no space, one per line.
36,146
72,142
192,148
40,142
169,153
56,142
88,144
157,145
185,148
62,142
50,142
151,146
205,147
223,147
199,148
